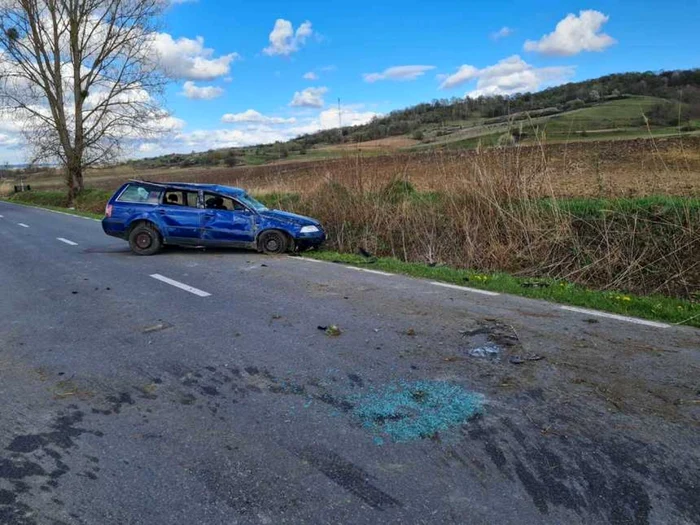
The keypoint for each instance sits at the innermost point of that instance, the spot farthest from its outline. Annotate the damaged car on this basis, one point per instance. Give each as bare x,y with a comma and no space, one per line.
150,215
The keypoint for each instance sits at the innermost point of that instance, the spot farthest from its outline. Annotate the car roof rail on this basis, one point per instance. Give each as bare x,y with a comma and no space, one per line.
141,181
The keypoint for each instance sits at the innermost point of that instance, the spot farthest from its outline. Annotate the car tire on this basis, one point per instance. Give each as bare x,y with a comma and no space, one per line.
144,239
273,242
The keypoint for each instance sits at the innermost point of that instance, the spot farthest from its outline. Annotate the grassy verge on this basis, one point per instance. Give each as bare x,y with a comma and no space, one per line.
47,206
90,203
658,308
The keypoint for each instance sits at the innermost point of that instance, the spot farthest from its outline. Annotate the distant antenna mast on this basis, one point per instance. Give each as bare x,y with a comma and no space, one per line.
340,121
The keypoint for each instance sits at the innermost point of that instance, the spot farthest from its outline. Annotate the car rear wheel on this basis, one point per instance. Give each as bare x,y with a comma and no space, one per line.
273,242
145,240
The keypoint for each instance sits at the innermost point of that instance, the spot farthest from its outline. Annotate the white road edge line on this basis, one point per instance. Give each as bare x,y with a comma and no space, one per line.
615,316
182,286
305,259
70,243
22,225
465,289
377,272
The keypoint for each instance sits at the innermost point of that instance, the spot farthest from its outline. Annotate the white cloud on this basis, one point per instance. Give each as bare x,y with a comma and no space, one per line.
147,147
464,74
258,131
252,116
284,40
510,75
195,92
400,73
328,119
504,32
309,98
9,140
310,76
188,59
573,35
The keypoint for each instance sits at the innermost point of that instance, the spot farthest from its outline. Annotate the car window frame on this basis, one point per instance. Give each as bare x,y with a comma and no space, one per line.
182,192
117,199
233,199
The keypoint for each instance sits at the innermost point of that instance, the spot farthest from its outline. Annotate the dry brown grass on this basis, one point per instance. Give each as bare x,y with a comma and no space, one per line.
585,169
500,209
388,143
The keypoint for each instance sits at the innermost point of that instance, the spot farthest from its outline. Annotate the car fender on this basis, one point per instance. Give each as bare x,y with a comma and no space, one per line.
267,224
148,216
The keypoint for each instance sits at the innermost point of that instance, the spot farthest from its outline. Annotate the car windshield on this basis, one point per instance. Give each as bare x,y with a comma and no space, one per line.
249,201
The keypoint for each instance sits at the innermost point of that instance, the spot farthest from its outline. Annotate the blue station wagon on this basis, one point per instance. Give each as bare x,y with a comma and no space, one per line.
152,214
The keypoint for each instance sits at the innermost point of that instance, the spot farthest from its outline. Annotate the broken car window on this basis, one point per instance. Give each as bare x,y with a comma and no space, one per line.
140,195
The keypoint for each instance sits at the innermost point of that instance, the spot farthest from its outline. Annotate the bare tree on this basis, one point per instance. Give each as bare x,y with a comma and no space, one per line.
81,76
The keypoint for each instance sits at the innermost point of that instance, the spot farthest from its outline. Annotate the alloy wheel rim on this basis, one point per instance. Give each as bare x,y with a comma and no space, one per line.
143,240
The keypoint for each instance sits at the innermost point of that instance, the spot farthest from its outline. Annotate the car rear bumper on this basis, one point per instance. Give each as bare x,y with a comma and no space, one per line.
114,228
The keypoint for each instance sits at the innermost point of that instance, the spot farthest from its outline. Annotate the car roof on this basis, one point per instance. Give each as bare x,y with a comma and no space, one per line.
216,188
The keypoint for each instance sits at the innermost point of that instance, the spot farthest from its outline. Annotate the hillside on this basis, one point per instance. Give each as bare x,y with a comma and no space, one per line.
627,105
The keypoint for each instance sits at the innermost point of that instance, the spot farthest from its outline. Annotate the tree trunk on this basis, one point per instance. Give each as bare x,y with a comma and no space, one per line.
70,182
74,180
78,178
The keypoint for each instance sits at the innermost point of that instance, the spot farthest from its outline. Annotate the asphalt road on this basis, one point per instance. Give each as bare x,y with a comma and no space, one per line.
129,400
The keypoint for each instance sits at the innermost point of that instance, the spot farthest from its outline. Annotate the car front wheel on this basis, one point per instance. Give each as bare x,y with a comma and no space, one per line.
145,240
273,242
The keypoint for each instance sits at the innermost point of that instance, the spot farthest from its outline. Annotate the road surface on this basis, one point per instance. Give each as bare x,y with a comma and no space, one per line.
195,387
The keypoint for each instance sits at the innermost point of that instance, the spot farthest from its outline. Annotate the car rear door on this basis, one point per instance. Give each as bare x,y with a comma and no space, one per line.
230,223
181,216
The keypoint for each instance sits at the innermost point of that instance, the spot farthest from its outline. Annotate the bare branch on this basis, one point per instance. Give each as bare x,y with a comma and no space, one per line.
80,77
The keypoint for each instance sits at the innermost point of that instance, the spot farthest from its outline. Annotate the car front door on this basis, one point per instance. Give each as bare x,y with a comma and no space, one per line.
225,221
181,216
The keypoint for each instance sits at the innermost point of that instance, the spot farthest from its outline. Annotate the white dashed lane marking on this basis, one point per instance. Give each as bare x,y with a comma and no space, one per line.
22,225
70,243
615,316
181,286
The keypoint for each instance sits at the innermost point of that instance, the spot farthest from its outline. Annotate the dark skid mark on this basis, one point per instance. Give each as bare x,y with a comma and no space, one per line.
19,469
340,404
36,456
124,398
615,480
107,250
210,391
349,476
356,380
62,434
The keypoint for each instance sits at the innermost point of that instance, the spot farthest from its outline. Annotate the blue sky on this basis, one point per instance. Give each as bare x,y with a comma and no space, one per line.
380,56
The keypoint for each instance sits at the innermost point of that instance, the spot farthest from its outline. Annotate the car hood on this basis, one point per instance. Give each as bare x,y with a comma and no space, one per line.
285,216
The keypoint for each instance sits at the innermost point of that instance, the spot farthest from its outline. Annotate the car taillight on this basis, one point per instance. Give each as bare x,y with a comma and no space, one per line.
108,211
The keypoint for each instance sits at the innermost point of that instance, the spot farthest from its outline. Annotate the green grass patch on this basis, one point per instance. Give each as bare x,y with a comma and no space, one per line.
89,201
658,308
278,201
33,204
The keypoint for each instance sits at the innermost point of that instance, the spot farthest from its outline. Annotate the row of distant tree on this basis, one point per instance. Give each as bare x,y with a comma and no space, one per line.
671,85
